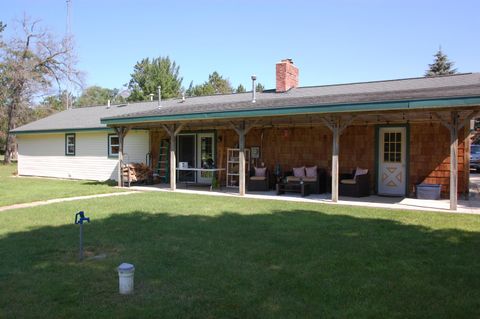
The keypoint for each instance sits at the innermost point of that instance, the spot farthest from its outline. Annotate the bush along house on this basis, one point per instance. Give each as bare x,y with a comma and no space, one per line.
403,132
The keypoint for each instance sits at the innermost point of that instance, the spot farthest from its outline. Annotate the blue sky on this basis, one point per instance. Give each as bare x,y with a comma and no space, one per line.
330,41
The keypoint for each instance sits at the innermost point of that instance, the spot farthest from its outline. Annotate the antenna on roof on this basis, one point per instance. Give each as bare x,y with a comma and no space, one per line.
254,78
68,36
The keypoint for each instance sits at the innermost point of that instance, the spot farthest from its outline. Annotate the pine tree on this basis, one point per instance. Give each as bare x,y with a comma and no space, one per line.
241,89
148,75
216,84
441,65
260,87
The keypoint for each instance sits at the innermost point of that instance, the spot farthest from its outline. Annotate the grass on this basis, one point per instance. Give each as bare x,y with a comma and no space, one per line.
217,257
15,190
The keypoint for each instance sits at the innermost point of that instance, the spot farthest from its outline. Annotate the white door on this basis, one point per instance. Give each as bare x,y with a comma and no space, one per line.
392,161
205,156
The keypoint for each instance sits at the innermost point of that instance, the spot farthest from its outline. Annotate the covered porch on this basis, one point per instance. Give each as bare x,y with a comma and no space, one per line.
435,148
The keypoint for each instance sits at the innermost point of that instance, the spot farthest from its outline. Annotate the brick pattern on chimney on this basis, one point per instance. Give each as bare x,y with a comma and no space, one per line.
286,75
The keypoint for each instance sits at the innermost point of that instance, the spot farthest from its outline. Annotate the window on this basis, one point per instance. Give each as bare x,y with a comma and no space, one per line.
70,144
392,147
113,145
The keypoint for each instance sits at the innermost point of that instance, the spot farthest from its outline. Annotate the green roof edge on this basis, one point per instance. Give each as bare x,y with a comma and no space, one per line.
63,130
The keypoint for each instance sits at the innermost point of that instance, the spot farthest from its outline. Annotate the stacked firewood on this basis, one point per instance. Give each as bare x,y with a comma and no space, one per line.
136,172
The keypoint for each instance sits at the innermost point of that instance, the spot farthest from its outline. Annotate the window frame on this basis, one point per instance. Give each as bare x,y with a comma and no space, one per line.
109,145
67,135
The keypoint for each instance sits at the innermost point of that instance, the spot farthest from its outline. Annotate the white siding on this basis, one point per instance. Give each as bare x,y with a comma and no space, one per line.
44,155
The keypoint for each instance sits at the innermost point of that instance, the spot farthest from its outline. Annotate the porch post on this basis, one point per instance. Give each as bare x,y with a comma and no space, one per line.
241,159
453,160
121,133
336,126
242,129
120,159
173,130
173,162
335,151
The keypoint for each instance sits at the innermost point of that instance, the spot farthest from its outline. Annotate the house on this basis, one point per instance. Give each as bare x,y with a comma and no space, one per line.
404,131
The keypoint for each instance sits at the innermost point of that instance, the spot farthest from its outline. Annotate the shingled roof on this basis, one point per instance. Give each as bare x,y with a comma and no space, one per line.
412,89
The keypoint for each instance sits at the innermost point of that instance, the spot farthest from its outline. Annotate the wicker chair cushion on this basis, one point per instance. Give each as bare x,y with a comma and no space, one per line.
293,179
311,171
310,179
260,171
299,171
360,171
348,181
257,178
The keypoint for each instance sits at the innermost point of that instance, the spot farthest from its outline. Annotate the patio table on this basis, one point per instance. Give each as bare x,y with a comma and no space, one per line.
304,189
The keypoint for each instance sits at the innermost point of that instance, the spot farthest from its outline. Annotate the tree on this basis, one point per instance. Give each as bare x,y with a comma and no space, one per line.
216,84
31,63
3,113
241,89
149,74
260,87
441,65
55,103
95,95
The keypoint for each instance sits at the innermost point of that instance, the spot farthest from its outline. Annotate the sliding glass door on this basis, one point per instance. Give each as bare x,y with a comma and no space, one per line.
186,154
197,150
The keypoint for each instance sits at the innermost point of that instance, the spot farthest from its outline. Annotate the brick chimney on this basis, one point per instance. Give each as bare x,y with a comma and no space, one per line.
287,75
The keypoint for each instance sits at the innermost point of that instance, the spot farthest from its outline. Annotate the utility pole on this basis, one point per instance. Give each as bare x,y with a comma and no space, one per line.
67,38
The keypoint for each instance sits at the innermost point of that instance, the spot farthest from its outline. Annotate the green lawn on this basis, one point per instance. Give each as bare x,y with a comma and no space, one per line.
217,257
14,190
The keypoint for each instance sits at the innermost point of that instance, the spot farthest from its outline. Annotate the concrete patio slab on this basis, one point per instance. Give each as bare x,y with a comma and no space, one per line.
471,206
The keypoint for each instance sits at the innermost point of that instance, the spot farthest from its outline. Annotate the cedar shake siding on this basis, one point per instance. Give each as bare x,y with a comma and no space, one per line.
429,160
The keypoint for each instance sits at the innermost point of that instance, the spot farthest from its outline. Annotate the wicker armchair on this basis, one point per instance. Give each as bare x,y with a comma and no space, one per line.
354,186
258,183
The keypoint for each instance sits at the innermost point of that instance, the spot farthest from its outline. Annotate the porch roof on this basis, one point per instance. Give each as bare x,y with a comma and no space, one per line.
405,94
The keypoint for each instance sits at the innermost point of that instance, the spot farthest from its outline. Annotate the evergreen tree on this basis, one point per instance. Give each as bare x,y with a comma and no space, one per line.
149,74
241,89
441,65
216,84
189,91
260,87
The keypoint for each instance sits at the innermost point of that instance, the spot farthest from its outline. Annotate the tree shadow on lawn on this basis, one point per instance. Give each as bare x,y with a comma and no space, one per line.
282,265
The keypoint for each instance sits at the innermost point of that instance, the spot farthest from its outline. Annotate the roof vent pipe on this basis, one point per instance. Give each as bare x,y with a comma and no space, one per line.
151,96
254,78
108,103
183,97
159,95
